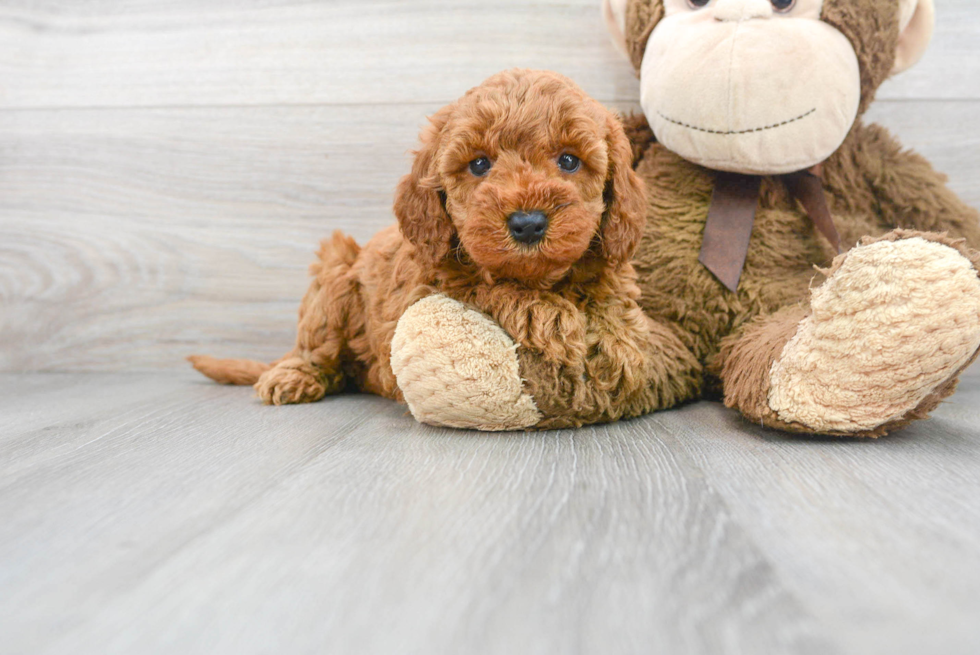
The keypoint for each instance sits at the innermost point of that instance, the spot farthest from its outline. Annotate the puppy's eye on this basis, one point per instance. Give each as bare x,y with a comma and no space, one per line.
698,4
782,6
480,166
569,163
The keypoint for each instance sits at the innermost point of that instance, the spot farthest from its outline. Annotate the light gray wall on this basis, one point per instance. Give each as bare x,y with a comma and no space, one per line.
167,167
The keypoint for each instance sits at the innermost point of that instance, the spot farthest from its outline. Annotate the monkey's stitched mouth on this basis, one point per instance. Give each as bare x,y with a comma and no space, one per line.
736,132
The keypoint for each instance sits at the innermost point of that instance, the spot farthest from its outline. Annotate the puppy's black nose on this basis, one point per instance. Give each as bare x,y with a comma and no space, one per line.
527,227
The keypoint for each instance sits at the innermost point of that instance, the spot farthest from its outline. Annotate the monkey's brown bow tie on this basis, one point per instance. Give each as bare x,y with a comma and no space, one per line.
732,213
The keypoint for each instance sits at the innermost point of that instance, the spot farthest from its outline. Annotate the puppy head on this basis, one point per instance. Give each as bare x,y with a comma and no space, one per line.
529,174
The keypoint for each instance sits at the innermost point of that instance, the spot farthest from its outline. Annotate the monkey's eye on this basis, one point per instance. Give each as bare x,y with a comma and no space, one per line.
569,163
480,166
783,6
698,4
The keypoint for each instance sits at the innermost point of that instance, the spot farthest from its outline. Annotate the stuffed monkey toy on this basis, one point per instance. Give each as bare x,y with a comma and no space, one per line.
823,279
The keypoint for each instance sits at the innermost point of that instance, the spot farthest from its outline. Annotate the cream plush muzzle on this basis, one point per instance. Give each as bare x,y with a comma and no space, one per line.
748,90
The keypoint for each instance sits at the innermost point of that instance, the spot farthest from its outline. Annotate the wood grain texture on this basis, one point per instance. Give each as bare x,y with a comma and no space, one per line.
122,232
167,168
871,533
162,514
130,238
264,52
270,52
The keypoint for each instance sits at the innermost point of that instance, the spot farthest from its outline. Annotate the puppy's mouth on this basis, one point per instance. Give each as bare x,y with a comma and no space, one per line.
535,247
529,228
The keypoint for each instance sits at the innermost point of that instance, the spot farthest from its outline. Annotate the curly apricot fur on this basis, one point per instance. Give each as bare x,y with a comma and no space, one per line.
586,350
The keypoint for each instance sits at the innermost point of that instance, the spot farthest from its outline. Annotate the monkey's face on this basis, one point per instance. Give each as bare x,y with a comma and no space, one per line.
750,86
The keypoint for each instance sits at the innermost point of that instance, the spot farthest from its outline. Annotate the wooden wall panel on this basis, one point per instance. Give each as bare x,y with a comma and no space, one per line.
166,169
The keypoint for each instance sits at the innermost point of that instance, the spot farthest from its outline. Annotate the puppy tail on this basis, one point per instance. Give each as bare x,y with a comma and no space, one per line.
229,371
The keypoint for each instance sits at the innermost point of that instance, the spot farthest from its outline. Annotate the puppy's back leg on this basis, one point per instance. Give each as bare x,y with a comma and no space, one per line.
314,367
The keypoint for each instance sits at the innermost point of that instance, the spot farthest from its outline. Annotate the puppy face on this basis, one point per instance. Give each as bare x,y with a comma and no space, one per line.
527,172
523,167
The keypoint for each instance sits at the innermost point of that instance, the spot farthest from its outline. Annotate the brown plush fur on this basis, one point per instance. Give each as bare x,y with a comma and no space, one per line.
872,185
587,351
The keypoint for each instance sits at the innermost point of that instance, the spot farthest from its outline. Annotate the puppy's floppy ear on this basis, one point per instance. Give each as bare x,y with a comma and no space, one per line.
419,205
625,197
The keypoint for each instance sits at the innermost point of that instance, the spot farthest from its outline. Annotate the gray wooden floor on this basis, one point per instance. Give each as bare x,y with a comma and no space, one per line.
166,169
156,513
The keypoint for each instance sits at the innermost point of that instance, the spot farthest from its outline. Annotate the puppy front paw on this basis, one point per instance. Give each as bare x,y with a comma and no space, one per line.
291,381
458,368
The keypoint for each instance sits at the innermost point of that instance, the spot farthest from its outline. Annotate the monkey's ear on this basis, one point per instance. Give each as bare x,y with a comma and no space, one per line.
419,206
917,20
625,197
630,23
614,14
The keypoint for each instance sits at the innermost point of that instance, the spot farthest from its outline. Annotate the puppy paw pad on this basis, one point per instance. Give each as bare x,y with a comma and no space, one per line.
289,382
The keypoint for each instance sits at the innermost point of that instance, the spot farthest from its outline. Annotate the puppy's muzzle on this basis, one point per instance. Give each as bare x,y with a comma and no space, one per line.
527,227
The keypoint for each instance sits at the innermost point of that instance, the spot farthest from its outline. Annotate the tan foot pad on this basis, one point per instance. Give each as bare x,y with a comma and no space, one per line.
458,368
895,320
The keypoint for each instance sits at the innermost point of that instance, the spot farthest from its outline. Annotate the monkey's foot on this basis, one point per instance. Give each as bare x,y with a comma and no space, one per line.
456,367
888,334
294,380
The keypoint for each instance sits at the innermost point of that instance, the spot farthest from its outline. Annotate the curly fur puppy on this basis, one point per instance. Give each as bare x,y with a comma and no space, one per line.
523,205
